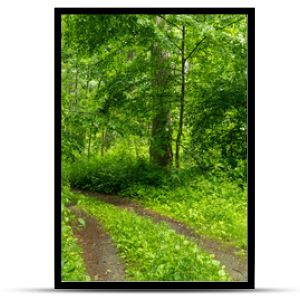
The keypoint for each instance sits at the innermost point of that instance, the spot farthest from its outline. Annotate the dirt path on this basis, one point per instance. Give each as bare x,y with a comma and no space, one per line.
100,257
235,266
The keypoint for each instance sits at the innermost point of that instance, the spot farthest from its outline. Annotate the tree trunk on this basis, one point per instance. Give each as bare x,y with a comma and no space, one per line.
103,142
84,143
89,145
84,133
87,82
181,111
76,87
161,153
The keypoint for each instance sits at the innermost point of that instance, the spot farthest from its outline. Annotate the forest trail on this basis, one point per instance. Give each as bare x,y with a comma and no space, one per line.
234,265
100,257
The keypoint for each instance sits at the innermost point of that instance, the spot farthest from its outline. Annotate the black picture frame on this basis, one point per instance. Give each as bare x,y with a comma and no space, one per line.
152,286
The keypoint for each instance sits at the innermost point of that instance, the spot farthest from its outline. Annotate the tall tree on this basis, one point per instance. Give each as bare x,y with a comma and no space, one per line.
161,133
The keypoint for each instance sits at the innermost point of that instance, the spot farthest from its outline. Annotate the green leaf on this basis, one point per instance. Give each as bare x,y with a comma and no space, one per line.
81,221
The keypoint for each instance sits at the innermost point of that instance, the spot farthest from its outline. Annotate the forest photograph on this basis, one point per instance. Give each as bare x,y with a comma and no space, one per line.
154,143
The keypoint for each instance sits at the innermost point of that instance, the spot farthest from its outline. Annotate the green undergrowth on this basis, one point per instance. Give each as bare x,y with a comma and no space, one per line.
152,252
114,174
72,265
213,203
214,208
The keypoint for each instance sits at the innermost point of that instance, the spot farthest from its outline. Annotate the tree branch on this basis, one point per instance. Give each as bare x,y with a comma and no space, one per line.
218,28
233,22
197,45
170,23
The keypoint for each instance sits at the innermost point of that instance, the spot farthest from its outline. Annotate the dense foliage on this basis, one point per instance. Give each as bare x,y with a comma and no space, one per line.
72,265
154,107
154,85
115,174
212,205
153,251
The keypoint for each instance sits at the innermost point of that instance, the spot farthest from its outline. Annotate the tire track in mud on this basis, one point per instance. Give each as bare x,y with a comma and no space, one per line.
234,265
100,256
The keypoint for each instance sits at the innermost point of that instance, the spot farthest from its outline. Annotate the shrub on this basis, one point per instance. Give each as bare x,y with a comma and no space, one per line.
112,174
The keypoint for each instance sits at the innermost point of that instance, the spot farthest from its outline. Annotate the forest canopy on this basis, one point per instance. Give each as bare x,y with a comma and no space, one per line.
168,88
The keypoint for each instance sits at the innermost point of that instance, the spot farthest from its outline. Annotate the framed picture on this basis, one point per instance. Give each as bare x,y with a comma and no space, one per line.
154,148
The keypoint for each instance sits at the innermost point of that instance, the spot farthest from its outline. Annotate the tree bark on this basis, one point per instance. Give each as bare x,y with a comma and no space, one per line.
161,153
103,142
87,82
76,87
89,145
182,99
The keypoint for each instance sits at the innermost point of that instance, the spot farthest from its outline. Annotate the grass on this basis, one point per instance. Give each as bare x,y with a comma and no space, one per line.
216,209
152,252
211,203
72,265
